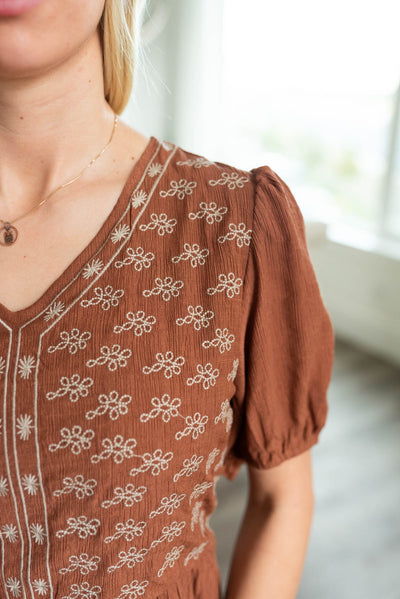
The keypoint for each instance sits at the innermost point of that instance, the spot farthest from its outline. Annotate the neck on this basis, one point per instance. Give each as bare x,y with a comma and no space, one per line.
51,126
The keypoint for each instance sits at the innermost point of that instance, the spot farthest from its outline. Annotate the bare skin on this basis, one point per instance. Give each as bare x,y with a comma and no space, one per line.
53,121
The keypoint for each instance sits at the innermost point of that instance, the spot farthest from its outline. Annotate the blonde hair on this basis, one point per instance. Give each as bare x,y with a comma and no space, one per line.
120,27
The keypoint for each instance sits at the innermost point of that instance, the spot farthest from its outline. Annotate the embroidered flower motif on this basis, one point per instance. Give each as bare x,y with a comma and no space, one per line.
129,496
73,341
198,316
105,297
83,591
129,558
156,461
196,162
228,283
166,287
80,525
210,212
167,363
81,487
119,449
41,586
30,483
74,387
190,465
24,426
83,563
74,438
93,268
195,426
140,259
181,189
195,552
3,486
240,233
55,310
207,376
37,532
169,532
168,504
223,341
121,232
226,414
138,198
9,531
139,322
115,405
192,253
25,366
161,223
154,169
14,586
112,356
133,589
231,180
129,530
170,559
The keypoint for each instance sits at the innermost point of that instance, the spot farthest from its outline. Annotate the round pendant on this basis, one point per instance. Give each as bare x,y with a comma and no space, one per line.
8,234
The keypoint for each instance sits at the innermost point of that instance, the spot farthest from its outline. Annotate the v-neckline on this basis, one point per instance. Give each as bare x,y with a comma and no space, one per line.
17,318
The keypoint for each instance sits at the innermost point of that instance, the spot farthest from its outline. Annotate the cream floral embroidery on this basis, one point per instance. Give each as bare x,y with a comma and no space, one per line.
112,356
73,341
25,366
207,375
223,340
24,426
181,189
170,559
211,212
76,439
55,310
138,198
115,405
240,233
139,322
78,484
195,552
227,283
121,232
107,298
83,591
94,267
74,387
192,253
167,363
168,504
129,530
198,316
80,525
166,287
128,497
196,162
140,259
83,563
161,223
231,180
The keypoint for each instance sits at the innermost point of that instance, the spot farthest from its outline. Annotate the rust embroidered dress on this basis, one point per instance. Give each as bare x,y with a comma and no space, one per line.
187,338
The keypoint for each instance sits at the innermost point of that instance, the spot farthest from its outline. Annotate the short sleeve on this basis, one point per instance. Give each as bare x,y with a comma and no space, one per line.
287,346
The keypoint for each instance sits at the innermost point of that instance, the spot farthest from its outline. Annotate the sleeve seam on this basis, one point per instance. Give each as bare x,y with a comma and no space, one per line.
253,179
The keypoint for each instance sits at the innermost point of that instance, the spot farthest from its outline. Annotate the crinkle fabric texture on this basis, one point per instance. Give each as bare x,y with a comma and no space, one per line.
187,338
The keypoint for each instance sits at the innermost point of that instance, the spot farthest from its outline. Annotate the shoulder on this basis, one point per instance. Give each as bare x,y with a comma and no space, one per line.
259,195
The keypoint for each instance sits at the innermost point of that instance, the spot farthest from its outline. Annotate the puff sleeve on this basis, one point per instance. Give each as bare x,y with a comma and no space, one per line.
287,346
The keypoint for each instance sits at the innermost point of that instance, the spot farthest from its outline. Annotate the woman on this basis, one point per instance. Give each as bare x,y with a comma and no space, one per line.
160,325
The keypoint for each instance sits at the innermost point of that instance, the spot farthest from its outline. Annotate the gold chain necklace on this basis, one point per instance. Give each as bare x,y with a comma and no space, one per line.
9,233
